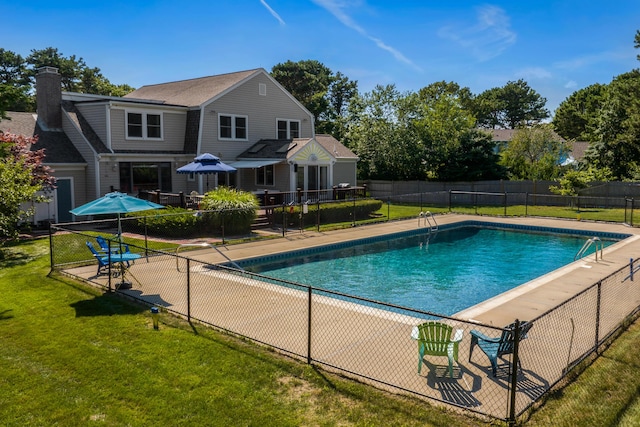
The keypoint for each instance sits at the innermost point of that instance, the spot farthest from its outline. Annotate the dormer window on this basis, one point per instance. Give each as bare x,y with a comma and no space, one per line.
143,125
288,129
232,126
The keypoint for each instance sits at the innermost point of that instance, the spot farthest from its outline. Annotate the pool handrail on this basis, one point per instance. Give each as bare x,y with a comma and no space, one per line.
591,241
428,216
203,245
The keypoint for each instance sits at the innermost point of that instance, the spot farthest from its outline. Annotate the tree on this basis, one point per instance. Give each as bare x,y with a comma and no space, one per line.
454,149
512,106
522,105
378,132
334,120
308,81
576,116
488,108
636,42
617,134
14,84
70,68
22,175
534,153
324,94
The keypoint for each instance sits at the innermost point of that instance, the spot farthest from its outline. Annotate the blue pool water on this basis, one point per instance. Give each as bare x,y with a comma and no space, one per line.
453,270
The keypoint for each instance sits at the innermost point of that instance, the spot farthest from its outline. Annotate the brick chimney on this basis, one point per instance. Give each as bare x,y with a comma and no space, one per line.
49,97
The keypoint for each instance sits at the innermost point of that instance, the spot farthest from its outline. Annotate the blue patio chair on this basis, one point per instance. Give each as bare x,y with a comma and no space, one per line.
497,347
434,339
103,259
104,245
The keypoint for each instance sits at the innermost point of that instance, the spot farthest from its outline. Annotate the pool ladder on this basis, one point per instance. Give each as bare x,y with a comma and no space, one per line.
594,241
429,221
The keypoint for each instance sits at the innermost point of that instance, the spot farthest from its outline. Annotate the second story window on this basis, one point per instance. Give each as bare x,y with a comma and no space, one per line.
142,125
232,127
288,129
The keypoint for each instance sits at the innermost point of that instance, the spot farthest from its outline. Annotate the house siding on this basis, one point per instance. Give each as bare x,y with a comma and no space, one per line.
262,112
344,172
173,132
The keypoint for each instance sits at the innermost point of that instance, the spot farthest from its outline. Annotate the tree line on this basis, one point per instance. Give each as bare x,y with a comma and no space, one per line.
436,133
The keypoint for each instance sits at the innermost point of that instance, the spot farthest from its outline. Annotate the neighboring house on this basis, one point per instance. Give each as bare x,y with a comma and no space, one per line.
576,148
97,144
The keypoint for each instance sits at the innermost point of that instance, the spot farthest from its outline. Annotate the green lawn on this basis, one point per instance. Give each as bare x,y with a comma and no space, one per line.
394,211
72,356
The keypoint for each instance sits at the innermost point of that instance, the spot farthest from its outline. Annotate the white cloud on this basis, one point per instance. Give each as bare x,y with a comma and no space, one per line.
489,37
571,84
273,12
337,9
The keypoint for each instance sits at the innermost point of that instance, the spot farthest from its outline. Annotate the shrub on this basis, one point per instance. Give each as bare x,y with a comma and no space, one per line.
330,212
232,209
168,222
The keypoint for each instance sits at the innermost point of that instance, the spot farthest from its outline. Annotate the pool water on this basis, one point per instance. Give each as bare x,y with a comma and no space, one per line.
453,270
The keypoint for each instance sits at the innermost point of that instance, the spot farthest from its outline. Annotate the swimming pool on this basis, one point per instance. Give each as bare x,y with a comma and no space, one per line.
453,269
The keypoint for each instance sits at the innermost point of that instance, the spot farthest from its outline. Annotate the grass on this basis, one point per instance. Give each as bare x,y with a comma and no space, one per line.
606,394
71,355
394,212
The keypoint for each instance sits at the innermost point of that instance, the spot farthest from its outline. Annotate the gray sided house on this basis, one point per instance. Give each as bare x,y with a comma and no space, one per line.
97,144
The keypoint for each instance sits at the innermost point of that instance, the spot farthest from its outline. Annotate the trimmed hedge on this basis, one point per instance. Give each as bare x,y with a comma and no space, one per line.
329,212
168,222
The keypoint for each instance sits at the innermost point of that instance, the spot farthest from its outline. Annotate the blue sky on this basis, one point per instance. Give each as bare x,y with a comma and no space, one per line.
558,46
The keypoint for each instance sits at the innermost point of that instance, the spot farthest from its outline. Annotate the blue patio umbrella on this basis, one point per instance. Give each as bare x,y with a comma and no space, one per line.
115,203
206,164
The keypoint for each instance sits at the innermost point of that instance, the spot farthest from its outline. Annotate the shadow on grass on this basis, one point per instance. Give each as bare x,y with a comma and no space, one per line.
4,315
106,305
10,258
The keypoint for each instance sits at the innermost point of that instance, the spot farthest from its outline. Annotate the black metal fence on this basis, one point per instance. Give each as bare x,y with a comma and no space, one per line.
372,341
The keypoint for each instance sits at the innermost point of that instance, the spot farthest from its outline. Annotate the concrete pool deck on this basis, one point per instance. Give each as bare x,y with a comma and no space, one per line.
377,344
524,302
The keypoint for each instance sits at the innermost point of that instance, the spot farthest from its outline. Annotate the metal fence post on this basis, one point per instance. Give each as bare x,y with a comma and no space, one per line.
109,267
50,248
309,293
189,290
598,305
146,242
505,204
514,374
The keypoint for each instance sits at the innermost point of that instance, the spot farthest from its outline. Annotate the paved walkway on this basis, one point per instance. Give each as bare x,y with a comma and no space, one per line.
375,343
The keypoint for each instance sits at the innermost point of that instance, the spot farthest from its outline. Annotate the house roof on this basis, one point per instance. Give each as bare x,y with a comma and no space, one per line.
192,92
578,148
280,149
58,147
502,135
335,147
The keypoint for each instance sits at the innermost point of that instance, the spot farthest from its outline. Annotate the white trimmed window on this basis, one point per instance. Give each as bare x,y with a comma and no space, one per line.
288,129
265,175
231,126
143,125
